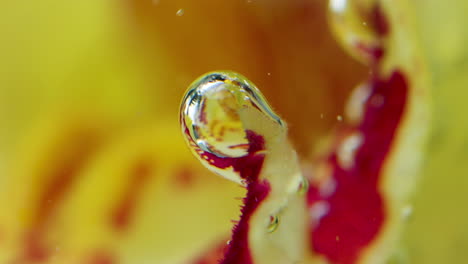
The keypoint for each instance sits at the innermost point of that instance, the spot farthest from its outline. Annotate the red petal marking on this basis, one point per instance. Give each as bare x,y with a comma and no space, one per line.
63,177
102,258
356,210
249,168
184,177
380,22
239,250
122,215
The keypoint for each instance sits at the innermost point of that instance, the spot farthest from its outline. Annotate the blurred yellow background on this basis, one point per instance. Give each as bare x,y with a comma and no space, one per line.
93,168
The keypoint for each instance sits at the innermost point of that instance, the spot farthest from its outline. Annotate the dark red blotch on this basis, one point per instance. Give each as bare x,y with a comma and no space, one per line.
356,208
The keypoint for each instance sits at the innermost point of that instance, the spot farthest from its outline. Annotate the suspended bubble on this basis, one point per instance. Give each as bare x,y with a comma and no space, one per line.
303,186
210,112
180,12
359,26
273,223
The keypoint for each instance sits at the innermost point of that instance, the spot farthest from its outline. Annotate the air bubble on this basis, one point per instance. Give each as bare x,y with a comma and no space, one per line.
303,186
273,223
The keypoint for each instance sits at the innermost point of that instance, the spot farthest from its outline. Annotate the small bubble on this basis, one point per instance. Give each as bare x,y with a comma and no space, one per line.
337,238
321,116
339,118
180,12
228,242
269,73
303,186
273,223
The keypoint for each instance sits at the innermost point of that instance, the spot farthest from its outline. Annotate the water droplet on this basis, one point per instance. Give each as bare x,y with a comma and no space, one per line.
210,113
339,118
303,186
180,12
273,223
357,25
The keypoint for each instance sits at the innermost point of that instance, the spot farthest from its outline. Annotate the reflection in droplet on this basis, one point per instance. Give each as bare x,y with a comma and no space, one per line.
210,113
358,27
273,223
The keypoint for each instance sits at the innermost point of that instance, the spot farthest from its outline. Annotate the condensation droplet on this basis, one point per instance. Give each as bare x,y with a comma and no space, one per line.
180,12
303,186
273,223
356,25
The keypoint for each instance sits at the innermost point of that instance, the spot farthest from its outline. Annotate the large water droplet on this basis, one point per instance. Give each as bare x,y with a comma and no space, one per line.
210,112
359,26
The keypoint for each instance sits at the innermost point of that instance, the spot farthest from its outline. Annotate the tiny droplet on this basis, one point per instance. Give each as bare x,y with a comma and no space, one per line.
273,223
180,12
303,186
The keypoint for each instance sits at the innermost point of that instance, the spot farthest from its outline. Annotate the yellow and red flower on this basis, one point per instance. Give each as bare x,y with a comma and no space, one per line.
93,168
